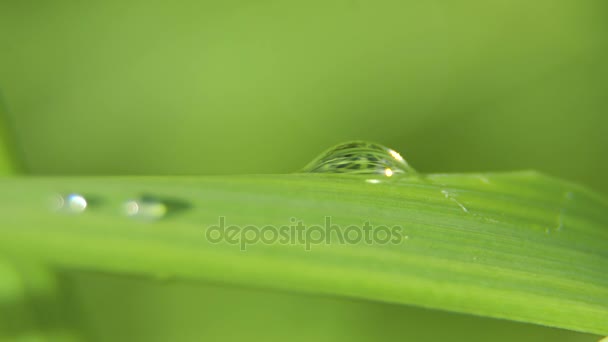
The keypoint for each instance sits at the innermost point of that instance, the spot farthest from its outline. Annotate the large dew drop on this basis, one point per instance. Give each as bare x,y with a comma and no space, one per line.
360,157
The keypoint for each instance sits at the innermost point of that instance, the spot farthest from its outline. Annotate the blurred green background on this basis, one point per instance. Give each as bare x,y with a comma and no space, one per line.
233,87
217,87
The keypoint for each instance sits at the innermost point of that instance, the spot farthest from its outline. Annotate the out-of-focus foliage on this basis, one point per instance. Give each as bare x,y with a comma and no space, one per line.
8,158
194,87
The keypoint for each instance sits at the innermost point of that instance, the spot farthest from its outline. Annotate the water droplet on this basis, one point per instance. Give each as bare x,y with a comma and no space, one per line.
361,157
151,208
71,204
145,208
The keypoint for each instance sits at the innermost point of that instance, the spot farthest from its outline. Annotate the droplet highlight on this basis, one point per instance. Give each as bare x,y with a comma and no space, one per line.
361,157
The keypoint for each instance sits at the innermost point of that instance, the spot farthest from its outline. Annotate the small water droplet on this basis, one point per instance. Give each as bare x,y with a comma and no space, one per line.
152,208
361,157
71,204
145,208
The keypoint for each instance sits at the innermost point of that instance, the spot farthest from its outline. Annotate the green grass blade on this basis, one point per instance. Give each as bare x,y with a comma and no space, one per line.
519,246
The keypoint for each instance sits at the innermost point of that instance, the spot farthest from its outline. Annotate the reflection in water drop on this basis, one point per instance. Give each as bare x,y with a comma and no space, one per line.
145,208
360,157
395,155
72,203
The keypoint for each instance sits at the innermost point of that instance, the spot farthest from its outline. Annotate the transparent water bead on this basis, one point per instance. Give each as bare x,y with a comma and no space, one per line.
153,208
145,208
361,157
71,204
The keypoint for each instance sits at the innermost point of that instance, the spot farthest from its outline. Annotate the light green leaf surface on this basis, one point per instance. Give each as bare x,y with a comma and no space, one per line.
520,246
